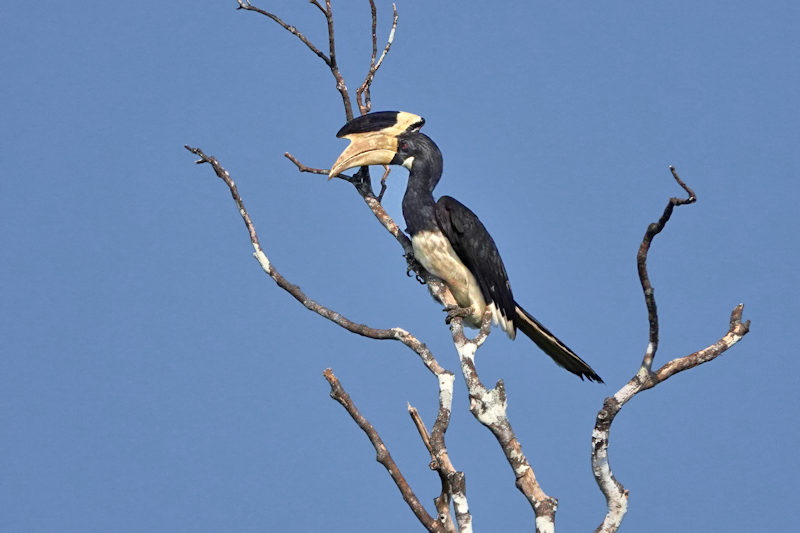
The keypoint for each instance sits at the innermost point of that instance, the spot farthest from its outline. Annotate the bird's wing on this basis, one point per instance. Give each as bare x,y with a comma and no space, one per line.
477,250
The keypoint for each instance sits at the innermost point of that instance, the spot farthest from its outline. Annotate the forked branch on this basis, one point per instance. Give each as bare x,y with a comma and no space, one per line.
489,407
382,454
246,5
330,59
616,495
363,97
641,264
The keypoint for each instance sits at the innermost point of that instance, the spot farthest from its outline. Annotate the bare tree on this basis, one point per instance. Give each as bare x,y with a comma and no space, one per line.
488,405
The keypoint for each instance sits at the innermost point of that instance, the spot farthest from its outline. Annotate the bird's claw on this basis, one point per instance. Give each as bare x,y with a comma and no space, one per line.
411,267
410,272
454,311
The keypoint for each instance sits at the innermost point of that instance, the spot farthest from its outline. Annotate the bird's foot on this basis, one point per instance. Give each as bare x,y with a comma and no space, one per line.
413,267
454,311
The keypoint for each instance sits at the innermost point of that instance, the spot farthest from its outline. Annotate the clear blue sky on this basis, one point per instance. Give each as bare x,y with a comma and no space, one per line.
153,379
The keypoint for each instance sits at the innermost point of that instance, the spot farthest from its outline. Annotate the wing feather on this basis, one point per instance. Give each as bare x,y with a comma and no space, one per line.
478,251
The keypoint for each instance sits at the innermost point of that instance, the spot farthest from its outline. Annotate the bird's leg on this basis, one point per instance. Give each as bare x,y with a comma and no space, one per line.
454,311
413,266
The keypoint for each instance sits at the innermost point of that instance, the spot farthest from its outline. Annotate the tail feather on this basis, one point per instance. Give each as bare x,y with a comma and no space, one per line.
549,343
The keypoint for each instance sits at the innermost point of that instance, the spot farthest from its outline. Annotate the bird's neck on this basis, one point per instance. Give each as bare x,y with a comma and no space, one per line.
419,210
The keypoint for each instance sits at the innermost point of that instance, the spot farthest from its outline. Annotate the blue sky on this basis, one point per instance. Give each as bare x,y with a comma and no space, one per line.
153,379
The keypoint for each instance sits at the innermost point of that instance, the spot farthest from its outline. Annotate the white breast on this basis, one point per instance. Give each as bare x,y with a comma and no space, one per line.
434,252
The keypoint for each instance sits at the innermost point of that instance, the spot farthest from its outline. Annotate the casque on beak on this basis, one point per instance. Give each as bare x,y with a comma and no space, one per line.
373,139
365,149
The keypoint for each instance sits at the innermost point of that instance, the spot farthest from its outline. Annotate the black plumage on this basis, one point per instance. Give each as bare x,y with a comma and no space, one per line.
477,250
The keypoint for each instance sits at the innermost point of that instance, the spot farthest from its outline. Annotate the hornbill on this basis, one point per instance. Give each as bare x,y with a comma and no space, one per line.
447,238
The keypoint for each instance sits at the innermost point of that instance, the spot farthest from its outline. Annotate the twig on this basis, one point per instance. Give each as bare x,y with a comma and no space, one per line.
363,93
302,168
340,85
423,432
383,456
641,263
383,182
319,6
247,6
616,495
442,502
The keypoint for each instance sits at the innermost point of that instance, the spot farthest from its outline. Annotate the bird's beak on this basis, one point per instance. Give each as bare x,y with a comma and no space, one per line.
371,148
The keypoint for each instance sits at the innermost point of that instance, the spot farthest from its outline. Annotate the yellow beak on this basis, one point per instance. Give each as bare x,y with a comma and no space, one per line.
372,148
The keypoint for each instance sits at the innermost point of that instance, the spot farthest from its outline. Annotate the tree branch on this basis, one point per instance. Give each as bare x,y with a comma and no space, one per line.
453,482
641,264
398,334
489,407
383,456
330,60
616,495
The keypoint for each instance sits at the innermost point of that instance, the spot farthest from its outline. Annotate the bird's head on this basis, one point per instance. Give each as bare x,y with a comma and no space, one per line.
381,138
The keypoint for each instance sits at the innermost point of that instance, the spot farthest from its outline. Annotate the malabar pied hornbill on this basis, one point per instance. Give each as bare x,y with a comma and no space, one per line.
448,239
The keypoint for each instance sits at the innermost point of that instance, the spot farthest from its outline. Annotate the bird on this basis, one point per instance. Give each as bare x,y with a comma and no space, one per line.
447,238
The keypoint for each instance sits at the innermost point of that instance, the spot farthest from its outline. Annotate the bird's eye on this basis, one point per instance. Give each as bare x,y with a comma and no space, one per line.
403,146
